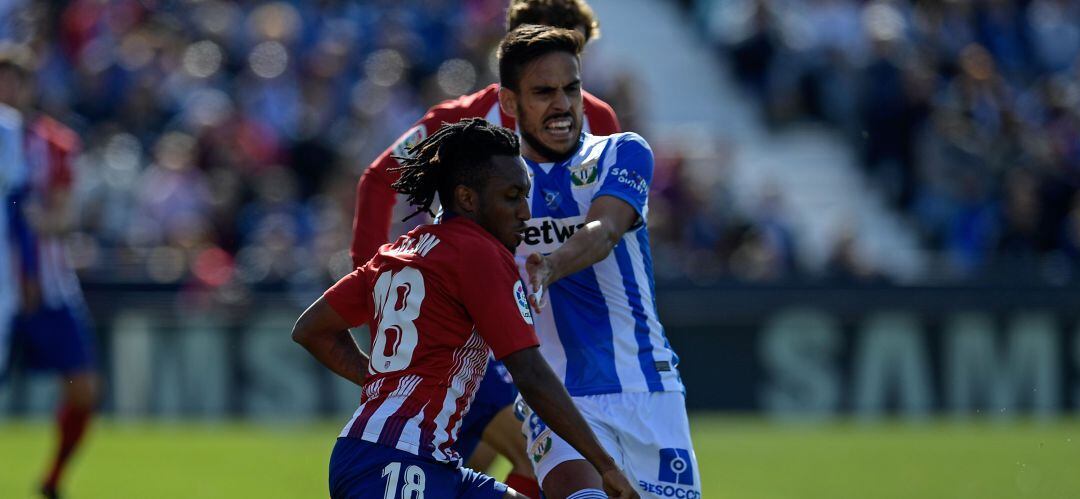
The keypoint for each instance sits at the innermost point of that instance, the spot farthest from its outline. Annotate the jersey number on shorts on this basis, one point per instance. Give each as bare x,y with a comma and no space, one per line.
414,481
397,303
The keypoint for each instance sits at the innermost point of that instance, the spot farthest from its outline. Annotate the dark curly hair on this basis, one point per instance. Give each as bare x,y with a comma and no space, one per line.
456,154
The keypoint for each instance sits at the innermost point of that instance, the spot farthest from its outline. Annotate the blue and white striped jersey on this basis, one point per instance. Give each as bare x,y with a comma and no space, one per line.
601,332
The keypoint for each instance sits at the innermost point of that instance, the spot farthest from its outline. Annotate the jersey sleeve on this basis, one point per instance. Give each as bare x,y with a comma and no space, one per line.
602,119
351,298
494,297
375,198
628,173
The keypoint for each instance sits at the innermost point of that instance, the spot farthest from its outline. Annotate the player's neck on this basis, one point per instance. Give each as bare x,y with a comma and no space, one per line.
449,214
534,151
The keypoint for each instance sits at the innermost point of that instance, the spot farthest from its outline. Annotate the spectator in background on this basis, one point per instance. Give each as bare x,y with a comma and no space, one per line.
955,97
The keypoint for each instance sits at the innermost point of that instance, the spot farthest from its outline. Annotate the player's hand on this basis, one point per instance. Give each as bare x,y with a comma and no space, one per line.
617,485
539,269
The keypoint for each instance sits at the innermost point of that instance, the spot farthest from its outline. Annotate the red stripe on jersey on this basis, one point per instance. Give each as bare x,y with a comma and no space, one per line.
472,368
395,425
469,363
369,406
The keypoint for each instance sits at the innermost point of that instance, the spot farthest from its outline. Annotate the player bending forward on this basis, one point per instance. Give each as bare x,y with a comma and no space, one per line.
436,300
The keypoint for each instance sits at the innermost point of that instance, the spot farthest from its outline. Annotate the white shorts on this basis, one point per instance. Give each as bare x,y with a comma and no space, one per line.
646,433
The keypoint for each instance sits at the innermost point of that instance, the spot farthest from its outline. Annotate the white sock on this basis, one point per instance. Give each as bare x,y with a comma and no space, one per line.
588,494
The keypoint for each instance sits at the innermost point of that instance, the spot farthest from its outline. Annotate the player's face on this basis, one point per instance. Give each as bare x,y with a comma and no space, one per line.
549,106
502,208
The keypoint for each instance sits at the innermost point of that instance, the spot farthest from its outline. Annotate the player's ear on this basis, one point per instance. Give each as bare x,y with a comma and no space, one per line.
465,199
508,101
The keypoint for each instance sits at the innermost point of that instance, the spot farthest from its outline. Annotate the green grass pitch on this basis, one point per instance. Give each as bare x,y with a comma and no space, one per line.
739,458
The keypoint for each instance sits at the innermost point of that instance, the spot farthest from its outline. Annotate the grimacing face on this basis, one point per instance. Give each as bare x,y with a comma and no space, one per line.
548,106
502,206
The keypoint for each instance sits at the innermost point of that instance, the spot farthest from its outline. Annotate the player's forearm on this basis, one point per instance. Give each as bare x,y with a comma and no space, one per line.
547,397
338,352
325,334
374,209
589,245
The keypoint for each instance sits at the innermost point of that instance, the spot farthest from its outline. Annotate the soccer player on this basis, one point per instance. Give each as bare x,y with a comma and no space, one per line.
51,332
491,416
12,178
437,299
587,252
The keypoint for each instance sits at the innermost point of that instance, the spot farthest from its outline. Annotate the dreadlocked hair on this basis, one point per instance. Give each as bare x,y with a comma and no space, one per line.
456,154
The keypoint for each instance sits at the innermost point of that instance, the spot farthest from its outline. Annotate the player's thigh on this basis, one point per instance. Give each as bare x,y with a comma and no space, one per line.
56,340
547,451
476,485
569,477
81,388
658,454
503,434
482,457
364,470
494,394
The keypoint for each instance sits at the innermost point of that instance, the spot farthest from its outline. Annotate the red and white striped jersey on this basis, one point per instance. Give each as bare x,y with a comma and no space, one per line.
50,149
436,300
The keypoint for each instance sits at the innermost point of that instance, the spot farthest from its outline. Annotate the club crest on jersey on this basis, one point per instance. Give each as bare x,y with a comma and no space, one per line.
411,138
585,174
552,198
522,302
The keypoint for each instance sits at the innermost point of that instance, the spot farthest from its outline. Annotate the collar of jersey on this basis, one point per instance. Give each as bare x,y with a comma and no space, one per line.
548,167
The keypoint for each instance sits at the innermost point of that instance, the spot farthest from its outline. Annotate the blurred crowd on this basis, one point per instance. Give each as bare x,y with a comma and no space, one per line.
966,113
222,140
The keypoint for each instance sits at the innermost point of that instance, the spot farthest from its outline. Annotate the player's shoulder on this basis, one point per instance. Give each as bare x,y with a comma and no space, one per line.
455,239
596,103
476,104
601,115
624,141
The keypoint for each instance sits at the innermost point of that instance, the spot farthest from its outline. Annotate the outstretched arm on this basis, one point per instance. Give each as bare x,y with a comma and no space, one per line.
546,395
325,334
608,219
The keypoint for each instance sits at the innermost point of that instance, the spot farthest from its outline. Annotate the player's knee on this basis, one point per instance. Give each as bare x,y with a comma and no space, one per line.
83,389
569,478
506,438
